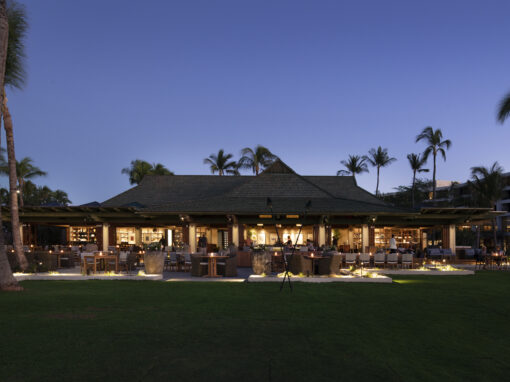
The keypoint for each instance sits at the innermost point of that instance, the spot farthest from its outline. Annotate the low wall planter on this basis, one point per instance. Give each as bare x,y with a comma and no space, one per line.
154,263
261,262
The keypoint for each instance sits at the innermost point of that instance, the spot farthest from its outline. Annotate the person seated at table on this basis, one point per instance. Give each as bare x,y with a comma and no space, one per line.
498,255
288,243
393,244
309,245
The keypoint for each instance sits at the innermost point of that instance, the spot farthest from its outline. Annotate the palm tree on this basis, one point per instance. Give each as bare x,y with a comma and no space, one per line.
504,108
355,165
159,169
379,158
14,78
257,159
61,197
7,280
25,170
416,162
139,168
488,184
220,163
435,145
41,195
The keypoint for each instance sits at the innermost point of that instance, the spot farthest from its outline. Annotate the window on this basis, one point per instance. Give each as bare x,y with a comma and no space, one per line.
82,235
126,235
152,235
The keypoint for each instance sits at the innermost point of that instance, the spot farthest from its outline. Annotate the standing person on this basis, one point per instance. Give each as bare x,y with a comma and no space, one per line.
202,243
393,244
289,242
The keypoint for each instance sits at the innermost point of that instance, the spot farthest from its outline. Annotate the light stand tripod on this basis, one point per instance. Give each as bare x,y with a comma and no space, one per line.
286,275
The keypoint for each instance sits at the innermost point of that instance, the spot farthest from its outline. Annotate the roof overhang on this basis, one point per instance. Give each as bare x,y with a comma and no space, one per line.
429,216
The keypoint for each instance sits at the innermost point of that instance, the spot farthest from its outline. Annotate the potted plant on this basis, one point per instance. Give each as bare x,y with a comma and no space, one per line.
154,259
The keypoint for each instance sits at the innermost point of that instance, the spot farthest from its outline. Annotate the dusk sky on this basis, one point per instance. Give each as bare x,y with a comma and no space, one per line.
175,81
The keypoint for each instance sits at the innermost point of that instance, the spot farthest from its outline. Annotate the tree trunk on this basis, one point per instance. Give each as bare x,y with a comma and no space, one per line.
494,233
13,180
477,236
21,184
434,179
377,186
414,184
7,280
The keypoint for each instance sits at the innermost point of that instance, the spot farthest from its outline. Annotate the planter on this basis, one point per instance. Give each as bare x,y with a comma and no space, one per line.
244,258
154,263
261,262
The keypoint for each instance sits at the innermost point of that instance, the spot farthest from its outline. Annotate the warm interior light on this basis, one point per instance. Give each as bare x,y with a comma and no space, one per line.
292,216
265,216
260,225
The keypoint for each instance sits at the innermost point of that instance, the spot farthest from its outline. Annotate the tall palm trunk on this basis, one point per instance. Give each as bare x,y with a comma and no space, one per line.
377,186
7,280
414,185
16,236
434,179
21,184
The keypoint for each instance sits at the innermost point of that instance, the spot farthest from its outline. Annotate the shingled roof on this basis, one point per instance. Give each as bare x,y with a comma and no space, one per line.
289,191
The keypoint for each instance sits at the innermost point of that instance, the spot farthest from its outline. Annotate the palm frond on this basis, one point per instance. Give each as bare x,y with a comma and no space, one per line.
504,108
15,73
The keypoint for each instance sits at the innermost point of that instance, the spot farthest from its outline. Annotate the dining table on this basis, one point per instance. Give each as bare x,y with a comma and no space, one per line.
314,259
98,258
212,261
495,259
60,254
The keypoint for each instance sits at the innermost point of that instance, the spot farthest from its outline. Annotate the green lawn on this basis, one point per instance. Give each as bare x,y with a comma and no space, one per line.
418,328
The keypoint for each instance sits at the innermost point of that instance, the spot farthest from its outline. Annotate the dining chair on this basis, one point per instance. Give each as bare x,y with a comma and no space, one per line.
350,258
380,259
392,259
407,260
186,260
365,259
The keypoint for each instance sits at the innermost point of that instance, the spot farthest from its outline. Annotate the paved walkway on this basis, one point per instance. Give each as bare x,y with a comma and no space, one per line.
243,275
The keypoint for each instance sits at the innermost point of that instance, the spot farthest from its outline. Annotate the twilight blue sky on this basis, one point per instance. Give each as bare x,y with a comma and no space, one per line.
174,81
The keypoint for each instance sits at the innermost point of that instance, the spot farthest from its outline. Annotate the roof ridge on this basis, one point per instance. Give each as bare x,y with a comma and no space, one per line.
382,202
316,186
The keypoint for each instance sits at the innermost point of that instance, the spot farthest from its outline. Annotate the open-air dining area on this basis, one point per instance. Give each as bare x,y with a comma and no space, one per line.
203,227
328,265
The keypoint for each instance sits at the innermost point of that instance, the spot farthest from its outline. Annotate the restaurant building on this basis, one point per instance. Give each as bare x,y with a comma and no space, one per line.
249,210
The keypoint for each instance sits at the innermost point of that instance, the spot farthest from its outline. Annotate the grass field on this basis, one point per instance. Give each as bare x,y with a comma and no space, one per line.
418,328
